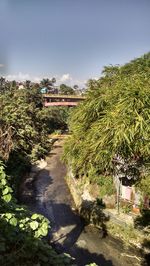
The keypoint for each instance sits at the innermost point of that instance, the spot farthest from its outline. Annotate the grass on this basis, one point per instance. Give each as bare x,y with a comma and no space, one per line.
128,234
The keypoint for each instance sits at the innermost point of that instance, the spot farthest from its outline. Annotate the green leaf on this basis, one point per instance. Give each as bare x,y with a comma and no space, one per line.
35,216
45,225
7,197
5,191
21,225
19,209
3,182
13,221
34,225
43,231
9,215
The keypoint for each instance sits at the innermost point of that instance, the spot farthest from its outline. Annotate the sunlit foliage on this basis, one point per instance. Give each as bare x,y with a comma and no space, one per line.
114,121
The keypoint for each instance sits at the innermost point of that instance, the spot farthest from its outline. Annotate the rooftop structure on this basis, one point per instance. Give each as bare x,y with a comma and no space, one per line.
62,100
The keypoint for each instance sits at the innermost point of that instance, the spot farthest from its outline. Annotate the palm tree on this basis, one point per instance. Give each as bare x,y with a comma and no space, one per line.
28,84
45,82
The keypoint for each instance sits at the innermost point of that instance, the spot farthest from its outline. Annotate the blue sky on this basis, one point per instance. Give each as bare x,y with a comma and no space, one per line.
70,39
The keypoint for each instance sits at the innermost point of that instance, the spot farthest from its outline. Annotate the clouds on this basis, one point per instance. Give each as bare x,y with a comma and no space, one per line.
69,80
2,65
22,77
65,77
18,77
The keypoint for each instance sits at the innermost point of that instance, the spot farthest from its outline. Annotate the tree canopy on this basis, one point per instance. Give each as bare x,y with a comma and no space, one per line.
113,122
25,123
24,129
66,90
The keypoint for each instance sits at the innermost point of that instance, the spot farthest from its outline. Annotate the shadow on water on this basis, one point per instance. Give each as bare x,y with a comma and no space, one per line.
64,217
84,257
65,221
73,232
69,240
69,228
30,190
92,212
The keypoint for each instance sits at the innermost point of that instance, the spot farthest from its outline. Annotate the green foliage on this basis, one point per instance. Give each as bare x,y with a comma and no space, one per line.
105,182
64,89
25,124
106,185
5,189
127,207
55,118
20,118
144,185
24,129
21,233
113,122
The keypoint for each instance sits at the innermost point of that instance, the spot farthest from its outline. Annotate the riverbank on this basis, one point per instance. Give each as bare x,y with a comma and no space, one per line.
69,233
119,225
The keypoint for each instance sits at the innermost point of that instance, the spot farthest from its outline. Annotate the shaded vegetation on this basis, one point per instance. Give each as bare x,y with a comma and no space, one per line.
24,129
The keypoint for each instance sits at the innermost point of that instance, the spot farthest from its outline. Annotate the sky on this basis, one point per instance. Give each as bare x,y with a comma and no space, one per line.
71,40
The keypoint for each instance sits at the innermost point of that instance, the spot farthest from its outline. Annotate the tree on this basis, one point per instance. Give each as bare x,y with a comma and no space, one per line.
112,124
55,118
13,84
2,81
53,80
23,136
76,87
21,123
66,90
48,82
2,84
25,123
28,84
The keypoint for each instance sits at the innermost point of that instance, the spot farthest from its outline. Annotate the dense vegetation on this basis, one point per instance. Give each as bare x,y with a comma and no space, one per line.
24,129
25,123
111,128
110,131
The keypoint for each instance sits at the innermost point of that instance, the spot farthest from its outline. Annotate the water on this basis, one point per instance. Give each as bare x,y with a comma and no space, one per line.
49,195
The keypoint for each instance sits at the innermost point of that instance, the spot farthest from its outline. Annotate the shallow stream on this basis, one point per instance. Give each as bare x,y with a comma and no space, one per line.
49,195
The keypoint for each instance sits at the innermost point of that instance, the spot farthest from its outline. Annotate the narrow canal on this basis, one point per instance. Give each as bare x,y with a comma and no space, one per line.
52,198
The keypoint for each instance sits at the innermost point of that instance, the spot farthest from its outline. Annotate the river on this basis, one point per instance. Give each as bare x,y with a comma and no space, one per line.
51,197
